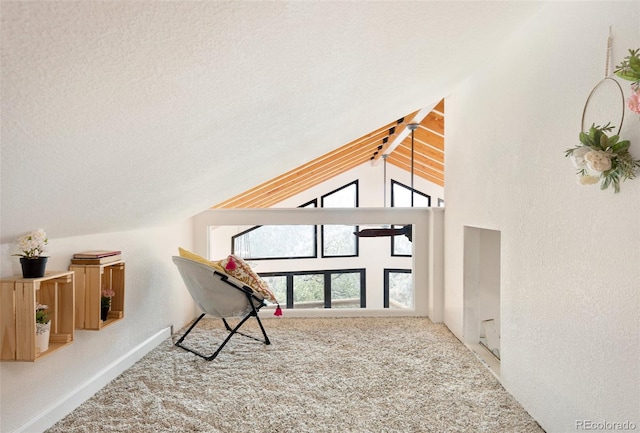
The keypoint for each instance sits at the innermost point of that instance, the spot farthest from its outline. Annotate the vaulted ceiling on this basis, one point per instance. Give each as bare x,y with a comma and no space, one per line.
391,142
119,115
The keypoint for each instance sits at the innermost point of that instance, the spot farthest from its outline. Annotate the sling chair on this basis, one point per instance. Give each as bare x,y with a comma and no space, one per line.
219,295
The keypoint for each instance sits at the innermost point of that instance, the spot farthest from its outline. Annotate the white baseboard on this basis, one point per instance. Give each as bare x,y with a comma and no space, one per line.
487,358
75,398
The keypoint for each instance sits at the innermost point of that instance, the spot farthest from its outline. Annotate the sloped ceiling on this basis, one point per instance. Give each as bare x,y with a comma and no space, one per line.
421,153
118,115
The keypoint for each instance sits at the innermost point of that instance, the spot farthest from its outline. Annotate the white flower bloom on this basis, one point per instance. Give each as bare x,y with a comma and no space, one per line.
598,160
577,157
32,244
587,180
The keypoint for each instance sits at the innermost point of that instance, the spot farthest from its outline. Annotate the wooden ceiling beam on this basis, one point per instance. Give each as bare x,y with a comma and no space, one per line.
299,185
292,185
371,142
320,163
434,122
439,108
400,132
420,165
428,160
421,149
427,137
438,180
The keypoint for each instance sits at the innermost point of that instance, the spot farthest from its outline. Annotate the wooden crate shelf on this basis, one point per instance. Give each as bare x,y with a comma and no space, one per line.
90,280
18,298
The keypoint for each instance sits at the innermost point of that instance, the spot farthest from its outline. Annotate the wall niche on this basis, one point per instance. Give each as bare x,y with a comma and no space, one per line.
482,294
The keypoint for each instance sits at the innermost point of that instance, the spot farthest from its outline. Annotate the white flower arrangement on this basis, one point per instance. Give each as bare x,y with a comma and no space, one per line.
604,159
32,244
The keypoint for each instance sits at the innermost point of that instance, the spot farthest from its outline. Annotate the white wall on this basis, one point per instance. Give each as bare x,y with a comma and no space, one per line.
570,255
33,393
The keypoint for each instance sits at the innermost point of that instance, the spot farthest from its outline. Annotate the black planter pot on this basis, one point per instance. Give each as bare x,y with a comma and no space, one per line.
33,268
104,312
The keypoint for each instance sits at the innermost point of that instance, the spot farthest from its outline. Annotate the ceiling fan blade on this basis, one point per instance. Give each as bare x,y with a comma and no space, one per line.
372,233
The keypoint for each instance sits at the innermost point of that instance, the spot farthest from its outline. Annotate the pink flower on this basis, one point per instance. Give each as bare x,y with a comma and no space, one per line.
634,100
107,293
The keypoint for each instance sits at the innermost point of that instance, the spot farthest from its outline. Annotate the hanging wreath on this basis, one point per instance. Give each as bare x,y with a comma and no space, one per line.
605,158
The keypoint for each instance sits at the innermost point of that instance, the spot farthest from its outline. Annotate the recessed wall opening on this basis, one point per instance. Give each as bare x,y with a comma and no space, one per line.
482,294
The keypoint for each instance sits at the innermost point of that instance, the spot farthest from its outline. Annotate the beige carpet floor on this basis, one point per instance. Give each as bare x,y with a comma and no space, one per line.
318,375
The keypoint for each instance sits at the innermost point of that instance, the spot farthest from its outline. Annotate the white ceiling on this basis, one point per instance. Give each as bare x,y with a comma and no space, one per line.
118,115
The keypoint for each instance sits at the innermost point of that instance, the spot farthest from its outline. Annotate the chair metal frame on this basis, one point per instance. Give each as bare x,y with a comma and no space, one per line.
255,303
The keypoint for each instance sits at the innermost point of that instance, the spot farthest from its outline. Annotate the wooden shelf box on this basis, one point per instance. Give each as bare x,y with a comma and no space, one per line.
18,298
90,280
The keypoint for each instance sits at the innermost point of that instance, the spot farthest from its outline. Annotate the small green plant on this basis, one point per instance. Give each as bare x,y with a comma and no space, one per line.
629,69
41,314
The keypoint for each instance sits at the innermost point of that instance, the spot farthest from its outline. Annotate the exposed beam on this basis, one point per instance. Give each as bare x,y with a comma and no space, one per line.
404,132
419,165
405,154
422,174
428,160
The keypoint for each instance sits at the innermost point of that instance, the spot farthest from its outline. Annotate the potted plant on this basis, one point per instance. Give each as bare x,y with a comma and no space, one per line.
105,303
43,329
31,246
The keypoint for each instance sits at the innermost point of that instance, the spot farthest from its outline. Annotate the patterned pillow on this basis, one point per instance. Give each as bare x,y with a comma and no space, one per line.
196,258
240,270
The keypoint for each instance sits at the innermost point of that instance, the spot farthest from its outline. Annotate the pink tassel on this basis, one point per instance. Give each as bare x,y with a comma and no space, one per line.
231,265
278,311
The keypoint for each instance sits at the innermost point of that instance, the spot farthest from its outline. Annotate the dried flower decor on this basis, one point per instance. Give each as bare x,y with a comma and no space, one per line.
602,158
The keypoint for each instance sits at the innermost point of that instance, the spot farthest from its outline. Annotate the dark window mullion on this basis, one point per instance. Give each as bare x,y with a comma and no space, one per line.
363,289
327,289
289,291
386,288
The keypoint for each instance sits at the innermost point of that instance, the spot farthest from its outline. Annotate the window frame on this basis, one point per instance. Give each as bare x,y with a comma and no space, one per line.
386,285
415,191
327,273
356,253
312,203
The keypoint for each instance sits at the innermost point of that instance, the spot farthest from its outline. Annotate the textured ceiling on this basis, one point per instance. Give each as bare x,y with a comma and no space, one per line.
120,115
